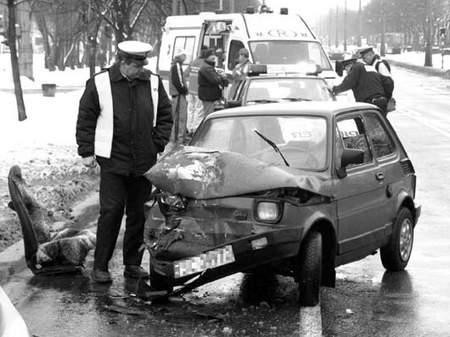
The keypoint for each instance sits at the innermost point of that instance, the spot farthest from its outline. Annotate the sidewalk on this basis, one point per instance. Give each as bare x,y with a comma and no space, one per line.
415,61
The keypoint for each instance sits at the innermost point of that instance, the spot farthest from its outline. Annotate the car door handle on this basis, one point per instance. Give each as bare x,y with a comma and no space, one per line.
379,176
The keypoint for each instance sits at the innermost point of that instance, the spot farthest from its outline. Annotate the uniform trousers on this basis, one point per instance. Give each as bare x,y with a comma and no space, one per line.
119,194
179,116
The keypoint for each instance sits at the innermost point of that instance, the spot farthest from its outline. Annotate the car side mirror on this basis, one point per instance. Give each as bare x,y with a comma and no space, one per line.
339,67
233,103
349,156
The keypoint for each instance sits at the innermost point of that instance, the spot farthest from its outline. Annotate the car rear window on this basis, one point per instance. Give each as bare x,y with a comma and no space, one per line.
288,89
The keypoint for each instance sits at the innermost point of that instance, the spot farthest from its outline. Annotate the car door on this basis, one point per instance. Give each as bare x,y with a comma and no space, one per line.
360,194
387,157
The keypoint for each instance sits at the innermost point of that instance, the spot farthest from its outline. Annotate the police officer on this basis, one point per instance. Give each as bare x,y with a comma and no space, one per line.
366,84
369,57
124,121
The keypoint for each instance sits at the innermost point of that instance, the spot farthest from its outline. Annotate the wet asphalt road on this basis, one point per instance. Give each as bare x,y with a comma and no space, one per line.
366,302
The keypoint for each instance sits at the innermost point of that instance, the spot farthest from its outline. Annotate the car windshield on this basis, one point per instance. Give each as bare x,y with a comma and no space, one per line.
289,52
301,139
288,89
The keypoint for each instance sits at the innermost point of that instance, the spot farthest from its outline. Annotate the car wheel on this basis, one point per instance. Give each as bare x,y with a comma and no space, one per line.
159,282
396,253
310,270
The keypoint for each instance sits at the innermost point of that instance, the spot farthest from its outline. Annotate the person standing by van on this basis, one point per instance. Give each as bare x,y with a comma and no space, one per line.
195,106
240,70
178,90
210,83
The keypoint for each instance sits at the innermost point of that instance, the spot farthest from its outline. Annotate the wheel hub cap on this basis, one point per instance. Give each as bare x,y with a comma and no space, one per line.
406,239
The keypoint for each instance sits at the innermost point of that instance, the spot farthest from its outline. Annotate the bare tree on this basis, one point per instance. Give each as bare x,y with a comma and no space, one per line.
122,16
12,40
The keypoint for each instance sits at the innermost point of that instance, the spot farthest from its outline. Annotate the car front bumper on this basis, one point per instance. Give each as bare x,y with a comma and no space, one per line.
248,252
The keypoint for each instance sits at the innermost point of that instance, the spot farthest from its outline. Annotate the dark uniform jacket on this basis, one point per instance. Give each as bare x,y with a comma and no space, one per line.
366,85
135,142
210,83
177,84
192,72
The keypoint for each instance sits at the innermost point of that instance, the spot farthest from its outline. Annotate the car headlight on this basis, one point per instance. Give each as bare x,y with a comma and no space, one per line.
268,211
172,200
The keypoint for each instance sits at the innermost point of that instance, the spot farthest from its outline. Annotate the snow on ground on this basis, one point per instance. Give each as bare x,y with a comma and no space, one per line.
44,144
418,58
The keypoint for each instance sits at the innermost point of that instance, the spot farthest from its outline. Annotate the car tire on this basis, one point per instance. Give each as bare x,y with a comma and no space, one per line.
310,270
396,253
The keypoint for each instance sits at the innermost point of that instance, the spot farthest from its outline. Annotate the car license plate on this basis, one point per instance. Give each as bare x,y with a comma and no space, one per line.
211,259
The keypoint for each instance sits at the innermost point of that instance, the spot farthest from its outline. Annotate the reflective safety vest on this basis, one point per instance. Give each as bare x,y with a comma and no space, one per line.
105,121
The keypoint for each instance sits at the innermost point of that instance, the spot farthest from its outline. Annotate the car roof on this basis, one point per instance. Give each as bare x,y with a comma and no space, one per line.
320,108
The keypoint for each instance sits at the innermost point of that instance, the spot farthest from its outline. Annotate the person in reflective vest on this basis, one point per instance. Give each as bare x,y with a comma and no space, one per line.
178,91
124,121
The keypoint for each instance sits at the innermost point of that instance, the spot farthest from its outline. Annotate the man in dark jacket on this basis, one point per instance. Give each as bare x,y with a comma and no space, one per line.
366,84
210,83
195,106
124,121
178,91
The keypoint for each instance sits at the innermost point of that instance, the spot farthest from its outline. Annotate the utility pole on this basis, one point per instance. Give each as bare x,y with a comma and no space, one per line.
383,30
345,25
336,42
175,7
330,26
359,24
428,51
202,5
232,6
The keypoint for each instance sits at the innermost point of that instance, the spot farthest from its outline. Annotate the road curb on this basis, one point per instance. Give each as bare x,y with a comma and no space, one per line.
12,259
424,70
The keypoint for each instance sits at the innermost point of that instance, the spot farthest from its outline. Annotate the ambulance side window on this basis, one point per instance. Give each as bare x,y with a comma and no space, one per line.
233,56
187,44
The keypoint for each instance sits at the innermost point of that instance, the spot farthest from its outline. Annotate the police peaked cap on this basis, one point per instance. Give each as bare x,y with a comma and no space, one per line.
135,49
364,50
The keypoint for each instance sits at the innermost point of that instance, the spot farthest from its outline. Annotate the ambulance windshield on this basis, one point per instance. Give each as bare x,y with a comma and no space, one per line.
289,52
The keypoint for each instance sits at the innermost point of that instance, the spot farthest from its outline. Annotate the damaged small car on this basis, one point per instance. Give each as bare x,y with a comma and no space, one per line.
295,188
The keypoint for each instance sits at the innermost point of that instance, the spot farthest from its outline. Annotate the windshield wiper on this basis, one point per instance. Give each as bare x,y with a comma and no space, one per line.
271,143
296,99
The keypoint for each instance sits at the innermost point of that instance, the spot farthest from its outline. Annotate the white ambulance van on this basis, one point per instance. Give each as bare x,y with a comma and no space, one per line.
272,39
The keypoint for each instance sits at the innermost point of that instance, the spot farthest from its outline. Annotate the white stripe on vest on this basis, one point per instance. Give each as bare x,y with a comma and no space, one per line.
105,121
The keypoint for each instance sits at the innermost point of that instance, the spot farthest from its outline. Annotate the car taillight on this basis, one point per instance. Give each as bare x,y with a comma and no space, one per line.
268,211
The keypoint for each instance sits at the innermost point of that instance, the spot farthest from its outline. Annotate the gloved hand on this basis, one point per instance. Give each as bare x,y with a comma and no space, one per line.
89,161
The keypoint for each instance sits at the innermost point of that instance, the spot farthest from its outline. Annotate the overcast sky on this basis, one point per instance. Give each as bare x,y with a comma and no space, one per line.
311,10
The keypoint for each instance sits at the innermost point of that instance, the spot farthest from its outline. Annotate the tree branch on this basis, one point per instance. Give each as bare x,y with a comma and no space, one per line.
138,14
103,15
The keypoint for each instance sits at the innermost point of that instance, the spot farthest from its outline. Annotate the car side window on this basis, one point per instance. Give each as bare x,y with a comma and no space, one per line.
377,134
353,136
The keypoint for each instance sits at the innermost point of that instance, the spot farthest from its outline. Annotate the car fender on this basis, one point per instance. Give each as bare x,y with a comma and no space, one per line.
405,199
314,220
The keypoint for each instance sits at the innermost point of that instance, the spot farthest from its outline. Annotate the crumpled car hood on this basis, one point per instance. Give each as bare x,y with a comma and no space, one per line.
200,173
